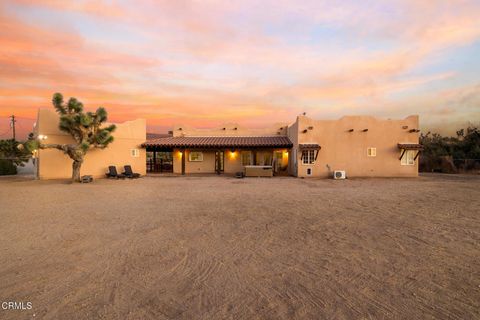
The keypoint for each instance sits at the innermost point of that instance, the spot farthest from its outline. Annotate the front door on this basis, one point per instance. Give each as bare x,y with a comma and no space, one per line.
219,161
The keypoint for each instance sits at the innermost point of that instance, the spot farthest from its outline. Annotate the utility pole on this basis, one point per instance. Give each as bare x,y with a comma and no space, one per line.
12,125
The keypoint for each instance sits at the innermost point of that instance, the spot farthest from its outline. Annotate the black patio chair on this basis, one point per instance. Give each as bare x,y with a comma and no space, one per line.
112,173
129,173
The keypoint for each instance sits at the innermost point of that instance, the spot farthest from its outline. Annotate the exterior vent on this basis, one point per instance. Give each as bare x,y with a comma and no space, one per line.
338,175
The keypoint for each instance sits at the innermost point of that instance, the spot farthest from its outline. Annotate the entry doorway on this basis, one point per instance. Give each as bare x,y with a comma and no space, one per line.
219,161
159,161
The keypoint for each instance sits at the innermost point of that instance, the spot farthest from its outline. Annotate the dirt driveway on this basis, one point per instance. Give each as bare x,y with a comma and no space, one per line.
221,248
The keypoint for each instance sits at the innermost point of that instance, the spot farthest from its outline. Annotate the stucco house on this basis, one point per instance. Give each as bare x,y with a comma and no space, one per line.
362,146
54,164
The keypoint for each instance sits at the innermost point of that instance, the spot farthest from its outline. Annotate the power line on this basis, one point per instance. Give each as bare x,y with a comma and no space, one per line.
5,133
17,117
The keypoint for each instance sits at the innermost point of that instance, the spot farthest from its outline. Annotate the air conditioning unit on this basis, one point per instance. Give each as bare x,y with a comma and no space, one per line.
339,174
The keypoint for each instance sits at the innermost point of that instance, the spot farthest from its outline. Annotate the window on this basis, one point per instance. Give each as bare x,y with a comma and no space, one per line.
309,171
135,153
408,158
267,159
308,156
246,158
371,152
195,156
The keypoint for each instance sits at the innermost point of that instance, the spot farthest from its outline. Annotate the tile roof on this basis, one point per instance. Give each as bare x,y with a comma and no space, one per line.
310,146
410,146
220,142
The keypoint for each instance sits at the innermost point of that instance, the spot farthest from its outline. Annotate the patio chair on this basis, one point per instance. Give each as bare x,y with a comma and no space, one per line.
112,173
239,175
129,173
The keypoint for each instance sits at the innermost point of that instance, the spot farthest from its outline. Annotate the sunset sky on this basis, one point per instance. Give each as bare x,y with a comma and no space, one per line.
203,63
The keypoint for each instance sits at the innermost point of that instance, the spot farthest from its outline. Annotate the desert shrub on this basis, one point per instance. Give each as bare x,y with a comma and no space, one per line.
464,149
7,167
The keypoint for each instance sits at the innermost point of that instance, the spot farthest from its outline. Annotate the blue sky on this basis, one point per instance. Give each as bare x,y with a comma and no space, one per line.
255,63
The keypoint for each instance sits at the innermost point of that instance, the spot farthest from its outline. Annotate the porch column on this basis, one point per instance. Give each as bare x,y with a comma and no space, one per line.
153,166
183,161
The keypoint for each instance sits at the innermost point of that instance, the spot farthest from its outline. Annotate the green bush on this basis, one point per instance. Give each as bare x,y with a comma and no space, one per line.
7,167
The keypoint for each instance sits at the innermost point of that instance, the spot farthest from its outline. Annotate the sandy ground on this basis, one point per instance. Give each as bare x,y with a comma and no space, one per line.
222,248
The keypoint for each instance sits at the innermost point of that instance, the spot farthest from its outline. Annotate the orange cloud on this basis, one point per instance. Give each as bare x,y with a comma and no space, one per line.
209,62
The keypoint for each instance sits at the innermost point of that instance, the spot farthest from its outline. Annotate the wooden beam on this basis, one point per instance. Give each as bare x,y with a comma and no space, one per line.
403,152
416,156
316,155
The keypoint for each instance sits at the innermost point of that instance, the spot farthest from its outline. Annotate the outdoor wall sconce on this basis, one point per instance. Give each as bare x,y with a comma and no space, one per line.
365,130
351,130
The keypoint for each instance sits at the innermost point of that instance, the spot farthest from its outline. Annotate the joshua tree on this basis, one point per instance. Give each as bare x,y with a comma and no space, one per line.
84,127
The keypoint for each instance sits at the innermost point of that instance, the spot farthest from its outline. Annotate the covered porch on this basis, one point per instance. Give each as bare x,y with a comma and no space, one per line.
230,154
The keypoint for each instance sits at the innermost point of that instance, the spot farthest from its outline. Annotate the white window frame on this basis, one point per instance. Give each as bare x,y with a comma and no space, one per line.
135,153
308,157
371,152
408,158
198,158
